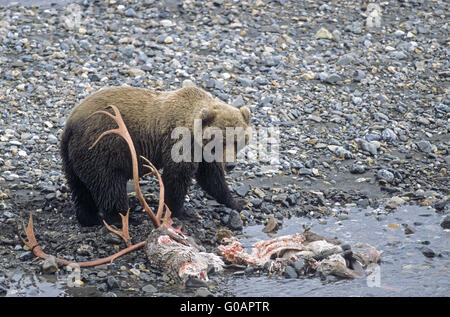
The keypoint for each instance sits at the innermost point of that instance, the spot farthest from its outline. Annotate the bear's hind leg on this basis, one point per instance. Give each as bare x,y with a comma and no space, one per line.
85,208
111,198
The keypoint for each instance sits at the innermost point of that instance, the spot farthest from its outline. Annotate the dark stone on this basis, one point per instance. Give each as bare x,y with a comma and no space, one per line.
235,221
194,282
299,266
93,77
102,287
346,247
427,252
256,202
446,222
25,256
203,292
305,171
149,288
249,270
357,168
363,203
409,229
386,175
440,204
112,282
242,190
290,272
424,146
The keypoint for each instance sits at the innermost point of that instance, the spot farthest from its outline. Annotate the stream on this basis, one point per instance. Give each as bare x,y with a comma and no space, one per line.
404,269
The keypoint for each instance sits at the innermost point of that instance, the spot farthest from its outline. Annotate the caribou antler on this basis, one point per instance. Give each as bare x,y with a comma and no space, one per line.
37,251
158,219
123,132
124,234
167,220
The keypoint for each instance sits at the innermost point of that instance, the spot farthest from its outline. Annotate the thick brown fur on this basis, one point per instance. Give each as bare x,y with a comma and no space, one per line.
98,177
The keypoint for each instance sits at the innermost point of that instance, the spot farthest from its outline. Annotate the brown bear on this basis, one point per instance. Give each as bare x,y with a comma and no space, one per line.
98,177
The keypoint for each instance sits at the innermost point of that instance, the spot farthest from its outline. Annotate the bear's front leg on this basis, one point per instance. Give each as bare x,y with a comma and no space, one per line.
211,177
176,180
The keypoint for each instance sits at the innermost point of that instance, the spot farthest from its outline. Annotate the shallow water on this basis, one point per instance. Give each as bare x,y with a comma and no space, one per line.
403,271
32,285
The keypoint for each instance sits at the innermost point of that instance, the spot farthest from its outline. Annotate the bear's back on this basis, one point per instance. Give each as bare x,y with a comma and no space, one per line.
127,99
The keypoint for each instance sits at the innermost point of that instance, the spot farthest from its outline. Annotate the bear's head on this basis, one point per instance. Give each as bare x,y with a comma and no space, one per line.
226,131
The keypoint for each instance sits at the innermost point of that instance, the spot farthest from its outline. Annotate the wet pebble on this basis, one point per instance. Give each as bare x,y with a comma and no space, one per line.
195,283
25,256
49,266
235,221
446,222
149,289
386,175
425,146
427,252
299,267
357,168
203,292
290,272
112,282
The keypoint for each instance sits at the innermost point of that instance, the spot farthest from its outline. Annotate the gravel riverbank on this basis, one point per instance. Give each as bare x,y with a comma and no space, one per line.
363,114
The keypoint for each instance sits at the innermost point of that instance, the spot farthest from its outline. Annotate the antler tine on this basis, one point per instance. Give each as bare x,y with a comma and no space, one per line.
37,251
32,242
166,220
29,231
124,234
116,131
104,112
154,171
123,132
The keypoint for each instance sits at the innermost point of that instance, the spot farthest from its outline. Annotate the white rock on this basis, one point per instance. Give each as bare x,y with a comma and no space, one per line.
323,34
188,83
22,153
166,23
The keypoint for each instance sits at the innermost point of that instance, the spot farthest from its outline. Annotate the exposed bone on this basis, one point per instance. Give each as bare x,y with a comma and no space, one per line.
322,255
178,256
336,265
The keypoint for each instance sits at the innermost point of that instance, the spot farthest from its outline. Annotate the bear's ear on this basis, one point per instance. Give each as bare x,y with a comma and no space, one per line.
207,115
245,113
